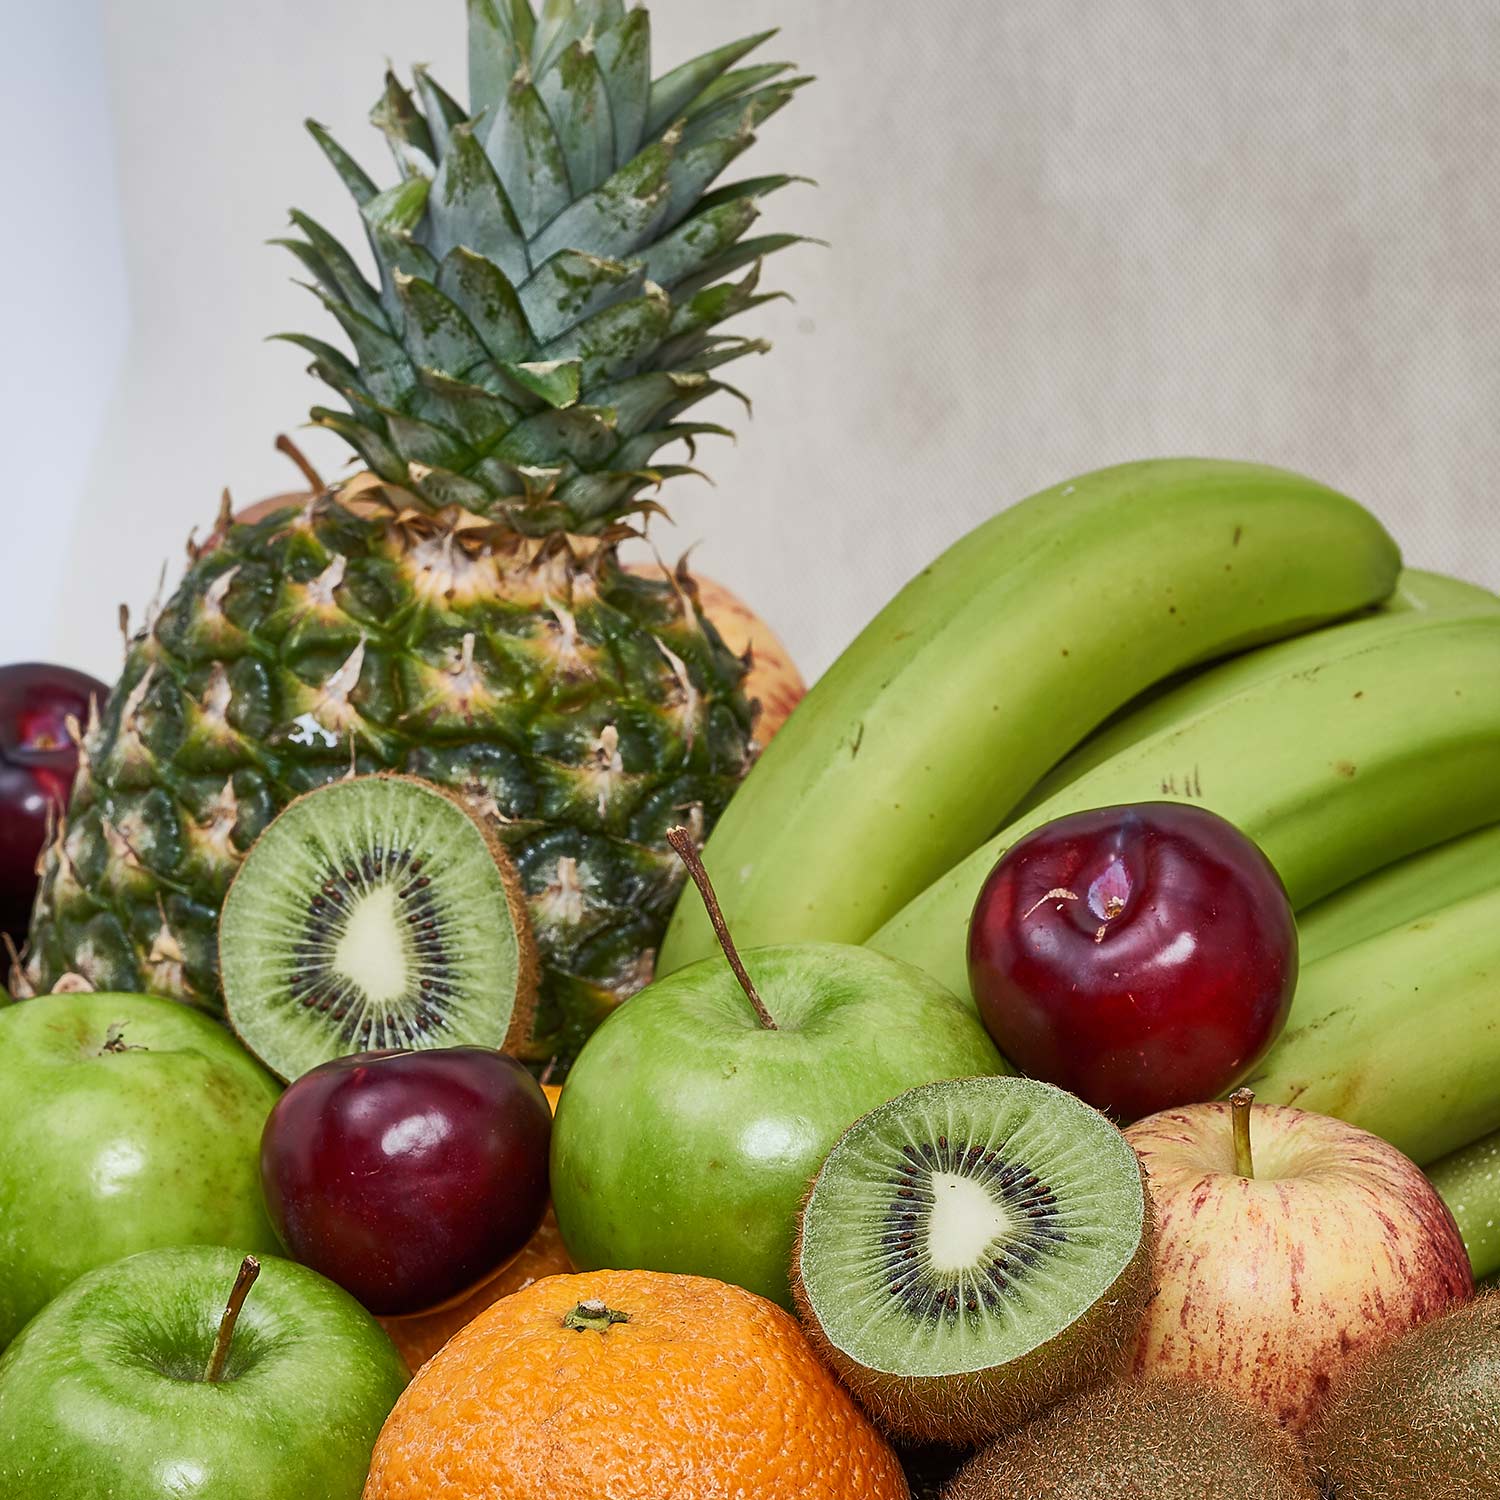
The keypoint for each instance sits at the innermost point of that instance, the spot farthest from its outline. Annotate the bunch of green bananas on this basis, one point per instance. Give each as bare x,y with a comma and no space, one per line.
1396,1022
997,659
1188,630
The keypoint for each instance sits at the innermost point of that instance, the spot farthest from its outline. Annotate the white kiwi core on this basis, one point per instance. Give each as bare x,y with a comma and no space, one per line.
371,952
962,1222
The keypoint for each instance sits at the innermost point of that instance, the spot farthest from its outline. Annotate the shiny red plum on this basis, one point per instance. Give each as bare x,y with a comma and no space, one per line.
407,1177
1142,956
38,761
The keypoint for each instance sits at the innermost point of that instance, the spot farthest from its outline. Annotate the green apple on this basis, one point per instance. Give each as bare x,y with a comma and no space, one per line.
689,1128
107,1391
126,1123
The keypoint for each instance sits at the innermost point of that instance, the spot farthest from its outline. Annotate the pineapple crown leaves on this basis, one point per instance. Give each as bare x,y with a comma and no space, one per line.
554,265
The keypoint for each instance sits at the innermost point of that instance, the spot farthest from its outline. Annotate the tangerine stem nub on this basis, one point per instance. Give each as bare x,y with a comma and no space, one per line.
595,1316
687,851
1240,1101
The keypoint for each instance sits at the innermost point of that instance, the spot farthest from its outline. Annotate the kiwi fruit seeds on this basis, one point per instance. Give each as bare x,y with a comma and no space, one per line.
1142,1440
375,912
973,1251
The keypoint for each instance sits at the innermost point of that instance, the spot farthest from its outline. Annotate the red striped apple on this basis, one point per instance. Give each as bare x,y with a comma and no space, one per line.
1279,1260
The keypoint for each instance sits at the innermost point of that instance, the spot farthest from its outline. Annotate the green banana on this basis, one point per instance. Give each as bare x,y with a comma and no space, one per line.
998,658
1400,893
1424,592
1469,1182
1387,742
1400,1035
1417,593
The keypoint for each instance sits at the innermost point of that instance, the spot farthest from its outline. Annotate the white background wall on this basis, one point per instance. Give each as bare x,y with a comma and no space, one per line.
1063,233
63,300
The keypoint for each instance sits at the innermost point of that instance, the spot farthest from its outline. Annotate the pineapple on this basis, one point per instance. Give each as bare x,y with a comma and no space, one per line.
553,267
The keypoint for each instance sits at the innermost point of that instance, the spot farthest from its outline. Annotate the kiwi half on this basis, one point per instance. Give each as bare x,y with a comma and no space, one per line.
375,912
1145,1440
1419,1418
973,1251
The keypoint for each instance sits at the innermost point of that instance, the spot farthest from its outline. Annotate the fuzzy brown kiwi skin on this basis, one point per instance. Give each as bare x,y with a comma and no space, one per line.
1418,1418
966,1410
528,963
1142,1440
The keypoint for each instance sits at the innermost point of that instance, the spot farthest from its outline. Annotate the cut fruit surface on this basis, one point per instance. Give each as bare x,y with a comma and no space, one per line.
971,1251
375,912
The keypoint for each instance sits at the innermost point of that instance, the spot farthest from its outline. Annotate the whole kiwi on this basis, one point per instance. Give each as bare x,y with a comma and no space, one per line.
1419,1417
1142,1440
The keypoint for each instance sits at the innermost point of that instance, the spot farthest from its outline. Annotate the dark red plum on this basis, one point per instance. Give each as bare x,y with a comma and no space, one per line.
407,1177
38,761
1142,956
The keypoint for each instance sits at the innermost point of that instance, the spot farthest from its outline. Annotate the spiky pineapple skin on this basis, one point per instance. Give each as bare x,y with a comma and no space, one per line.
584,708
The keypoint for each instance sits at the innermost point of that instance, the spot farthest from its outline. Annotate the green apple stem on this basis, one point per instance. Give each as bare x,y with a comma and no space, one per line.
687,851
1240,1101
243,1281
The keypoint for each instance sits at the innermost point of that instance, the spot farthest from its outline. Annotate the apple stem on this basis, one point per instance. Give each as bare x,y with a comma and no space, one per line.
1240,1101
687,851
243,1281
284,444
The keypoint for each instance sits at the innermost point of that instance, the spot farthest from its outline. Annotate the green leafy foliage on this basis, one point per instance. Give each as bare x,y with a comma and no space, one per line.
559,236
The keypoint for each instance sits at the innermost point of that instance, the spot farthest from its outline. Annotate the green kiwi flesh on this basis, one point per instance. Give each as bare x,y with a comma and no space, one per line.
1419,1417
375,913
973,1251
1142,1440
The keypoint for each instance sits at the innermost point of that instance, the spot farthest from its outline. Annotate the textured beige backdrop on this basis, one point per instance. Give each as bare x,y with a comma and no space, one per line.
1063,233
